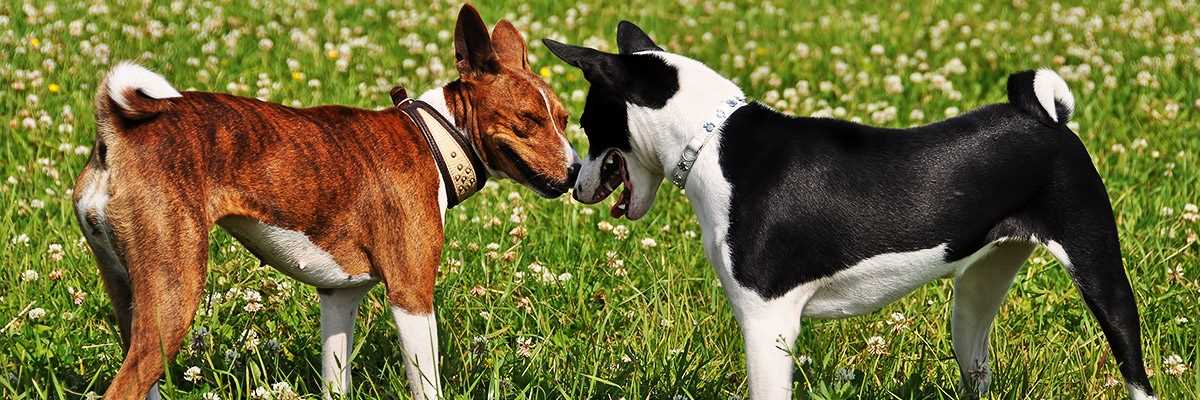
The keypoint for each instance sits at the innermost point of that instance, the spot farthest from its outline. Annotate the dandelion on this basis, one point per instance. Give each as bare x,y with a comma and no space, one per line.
53,88
36,314
1174,365
29,275
192,374
649,242
544,72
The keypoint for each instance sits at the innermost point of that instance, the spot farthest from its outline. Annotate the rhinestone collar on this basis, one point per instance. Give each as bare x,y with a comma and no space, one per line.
691,152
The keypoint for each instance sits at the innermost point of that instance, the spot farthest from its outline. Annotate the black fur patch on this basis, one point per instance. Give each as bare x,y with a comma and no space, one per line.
814,196
617,80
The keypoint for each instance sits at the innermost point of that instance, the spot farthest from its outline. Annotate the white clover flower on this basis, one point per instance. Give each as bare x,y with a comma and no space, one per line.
804,360
260,393
525,346
876,345
1174,365
55,251
192,374
892,84
951,111
36,314
565,276
284,391
649,242
211,396
844,374
621,232
29,275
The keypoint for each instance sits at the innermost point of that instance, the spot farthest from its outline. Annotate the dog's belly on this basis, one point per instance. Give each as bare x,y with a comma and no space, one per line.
292,253
880,280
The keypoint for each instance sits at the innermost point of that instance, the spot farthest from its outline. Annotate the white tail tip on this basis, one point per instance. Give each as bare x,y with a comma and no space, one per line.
1049,87
127,75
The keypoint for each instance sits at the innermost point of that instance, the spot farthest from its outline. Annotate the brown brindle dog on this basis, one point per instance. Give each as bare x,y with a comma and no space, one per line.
336,197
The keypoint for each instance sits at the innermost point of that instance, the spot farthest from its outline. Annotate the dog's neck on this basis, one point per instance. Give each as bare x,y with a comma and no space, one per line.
454,102
661,135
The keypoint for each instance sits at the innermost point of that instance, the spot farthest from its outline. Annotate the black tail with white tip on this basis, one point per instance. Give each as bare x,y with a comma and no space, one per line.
1042,94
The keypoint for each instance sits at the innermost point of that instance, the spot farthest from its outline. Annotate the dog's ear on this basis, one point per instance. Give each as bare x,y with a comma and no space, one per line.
631,39
509,45
599,68
473,51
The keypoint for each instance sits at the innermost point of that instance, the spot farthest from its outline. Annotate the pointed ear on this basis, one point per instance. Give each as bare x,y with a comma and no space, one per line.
509,45
631,39
473,51
599,68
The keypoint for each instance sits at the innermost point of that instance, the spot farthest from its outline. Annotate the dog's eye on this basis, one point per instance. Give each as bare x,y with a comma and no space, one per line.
533,119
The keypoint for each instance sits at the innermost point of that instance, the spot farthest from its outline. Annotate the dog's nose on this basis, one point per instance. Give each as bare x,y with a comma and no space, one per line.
573,173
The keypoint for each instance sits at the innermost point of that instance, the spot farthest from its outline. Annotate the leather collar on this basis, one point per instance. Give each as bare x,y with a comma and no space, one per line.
463,173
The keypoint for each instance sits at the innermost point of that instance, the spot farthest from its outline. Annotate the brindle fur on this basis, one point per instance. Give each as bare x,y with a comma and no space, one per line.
360,184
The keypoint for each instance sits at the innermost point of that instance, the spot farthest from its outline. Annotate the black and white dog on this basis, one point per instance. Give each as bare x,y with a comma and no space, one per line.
824,218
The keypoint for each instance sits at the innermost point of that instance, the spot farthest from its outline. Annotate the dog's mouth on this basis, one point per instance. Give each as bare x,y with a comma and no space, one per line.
613,174
540,184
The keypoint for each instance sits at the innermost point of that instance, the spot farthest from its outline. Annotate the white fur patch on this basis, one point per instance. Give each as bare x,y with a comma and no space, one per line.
1136,393
338,309
94,199
1048,87
1060,253
127,75
418,336
292,253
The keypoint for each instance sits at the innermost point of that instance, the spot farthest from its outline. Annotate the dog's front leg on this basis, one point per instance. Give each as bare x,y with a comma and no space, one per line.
418,336
770,332
338,310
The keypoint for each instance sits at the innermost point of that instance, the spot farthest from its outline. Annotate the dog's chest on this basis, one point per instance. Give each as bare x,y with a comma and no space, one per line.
292,253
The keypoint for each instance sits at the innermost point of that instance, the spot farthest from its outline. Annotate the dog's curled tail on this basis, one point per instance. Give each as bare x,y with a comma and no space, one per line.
132,92
1042,94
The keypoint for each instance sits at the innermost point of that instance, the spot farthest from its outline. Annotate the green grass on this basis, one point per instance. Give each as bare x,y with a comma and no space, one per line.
646,322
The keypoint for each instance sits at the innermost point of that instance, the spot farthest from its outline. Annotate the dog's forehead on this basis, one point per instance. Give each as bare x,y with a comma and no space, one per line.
645,80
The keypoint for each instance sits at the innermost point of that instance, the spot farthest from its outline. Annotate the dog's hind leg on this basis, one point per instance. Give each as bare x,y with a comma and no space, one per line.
338,309
165,253
1076,224
978,292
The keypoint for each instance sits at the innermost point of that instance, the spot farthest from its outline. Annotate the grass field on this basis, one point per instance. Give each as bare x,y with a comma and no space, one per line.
552,299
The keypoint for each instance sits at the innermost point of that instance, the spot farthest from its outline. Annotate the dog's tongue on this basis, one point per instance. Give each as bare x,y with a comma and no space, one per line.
621,206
